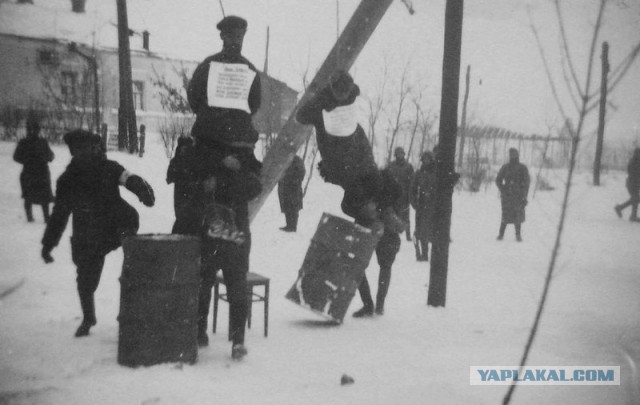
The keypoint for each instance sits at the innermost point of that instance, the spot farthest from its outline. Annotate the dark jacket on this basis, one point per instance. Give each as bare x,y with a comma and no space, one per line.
89,189
513,183
402,172
35,154
224,125
346,161
422,195
290,186
633,171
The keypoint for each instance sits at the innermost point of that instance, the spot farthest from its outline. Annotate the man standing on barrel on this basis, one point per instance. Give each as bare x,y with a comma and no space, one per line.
224,93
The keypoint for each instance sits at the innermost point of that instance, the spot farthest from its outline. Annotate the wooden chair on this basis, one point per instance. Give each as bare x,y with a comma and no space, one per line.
253,280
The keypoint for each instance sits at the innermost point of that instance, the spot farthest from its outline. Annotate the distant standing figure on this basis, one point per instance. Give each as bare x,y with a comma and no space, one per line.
89,191
422,197
180,173
633,186
402,171
35,154
141,139
290,193
513,183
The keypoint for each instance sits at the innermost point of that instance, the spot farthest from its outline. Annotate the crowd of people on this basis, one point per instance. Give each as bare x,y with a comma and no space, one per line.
215,174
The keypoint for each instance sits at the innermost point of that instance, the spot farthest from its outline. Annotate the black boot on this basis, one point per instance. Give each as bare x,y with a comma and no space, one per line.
83,329
363,312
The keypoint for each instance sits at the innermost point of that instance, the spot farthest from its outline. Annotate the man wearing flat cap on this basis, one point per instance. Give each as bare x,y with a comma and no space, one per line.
224,93
89,190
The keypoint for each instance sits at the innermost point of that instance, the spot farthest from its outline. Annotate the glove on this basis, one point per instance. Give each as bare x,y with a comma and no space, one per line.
46,254
141,189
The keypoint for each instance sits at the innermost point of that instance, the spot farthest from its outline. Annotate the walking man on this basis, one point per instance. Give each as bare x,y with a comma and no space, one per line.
633,186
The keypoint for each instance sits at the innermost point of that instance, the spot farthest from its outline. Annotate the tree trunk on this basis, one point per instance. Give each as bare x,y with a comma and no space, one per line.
603,110
344,53
463,120
446,177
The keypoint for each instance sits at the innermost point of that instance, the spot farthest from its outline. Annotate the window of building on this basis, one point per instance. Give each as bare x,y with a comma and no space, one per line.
68,86
138,95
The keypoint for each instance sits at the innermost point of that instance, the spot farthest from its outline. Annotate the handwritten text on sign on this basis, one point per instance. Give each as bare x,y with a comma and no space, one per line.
341,121
229,84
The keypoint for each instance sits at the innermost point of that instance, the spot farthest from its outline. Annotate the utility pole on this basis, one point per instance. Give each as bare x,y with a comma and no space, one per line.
344,53
463,120
603,111
445,157
127,131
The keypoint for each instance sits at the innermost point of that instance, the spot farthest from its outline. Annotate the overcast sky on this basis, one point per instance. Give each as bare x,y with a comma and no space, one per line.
508,86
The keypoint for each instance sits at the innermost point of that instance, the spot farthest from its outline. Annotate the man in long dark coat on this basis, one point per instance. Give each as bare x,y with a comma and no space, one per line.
422,197
402,171
633,187
290,193
513,183
89,190
35,154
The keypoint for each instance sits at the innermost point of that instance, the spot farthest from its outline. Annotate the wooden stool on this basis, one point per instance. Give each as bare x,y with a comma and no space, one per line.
253,280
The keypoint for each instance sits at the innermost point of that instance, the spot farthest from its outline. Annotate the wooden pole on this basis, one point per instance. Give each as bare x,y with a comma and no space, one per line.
603,111
445,174
126,113
344,53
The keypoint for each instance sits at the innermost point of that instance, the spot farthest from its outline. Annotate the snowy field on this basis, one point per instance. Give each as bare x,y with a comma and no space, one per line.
414,354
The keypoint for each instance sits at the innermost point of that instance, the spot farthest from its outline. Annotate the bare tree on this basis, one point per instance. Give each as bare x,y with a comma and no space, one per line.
376,104
396,113
585,103
67,98
174,102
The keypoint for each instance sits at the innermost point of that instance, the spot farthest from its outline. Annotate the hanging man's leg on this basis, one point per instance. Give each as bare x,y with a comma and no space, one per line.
235,266
45,212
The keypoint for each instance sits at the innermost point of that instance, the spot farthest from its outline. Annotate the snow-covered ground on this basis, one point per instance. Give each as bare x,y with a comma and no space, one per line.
414,354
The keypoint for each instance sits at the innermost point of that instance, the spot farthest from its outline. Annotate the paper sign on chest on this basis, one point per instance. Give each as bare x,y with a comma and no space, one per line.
228,85
341,121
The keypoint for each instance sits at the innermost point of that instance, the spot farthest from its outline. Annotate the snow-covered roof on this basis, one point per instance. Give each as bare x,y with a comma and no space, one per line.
41,22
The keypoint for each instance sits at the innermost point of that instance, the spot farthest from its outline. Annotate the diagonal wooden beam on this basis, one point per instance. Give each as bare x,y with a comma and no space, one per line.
344,53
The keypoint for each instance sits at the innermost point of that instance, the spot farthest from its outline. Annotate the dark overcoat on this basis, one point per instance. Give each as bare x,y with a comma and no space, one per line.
633,178
35,154
290,186
89,190
422,197
403,173
513,183
222,125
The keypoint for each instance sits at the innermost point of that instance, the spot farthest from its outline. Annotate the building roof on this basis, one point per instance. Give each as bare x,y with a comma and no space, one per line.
41,22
